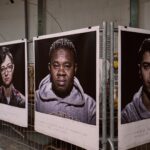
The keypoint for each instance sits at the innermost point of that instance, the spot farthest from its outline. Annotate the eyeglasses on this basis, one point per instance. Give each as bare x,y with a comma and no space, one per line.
8,68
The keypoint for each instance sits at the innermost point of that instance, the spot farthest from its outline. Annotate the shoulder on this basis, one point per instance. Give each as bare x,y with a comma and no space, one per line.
18,94
129,107
91,107
90,102
88,98
19,98
130,112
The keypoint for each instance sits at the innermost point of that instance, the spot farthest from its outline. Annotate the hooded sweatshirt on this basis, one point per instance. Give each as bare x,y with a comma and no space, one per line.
135,110
77,105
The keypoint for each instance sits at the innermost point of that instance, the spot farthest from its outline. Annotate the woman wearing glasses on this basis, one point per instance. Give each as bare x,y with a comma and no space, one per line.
8,94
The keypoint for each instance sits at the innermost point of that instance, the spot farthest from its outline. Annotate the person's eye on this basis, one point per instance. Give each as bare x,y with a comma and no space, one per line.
55,65
10,66
67,65
2,69
146,66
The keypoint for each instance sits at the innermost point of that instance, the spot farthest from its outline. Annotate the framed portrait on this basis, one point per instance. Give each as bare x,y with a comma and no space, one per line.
67,86
13,82
133,112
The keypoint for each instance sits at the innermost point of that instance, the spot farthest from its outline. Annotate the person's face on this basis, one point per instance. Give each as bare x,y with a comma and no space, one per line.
7,70
62,70
145,71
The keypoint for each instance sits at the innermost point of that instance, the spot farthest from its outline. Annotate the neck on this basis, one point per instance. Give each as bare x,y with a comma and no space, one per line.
7,90
146,99
62,95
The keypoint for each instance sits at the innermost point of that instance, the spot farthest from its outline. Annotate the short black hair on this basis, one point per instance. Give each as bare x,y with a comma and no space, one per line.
5,51
63,43
145,47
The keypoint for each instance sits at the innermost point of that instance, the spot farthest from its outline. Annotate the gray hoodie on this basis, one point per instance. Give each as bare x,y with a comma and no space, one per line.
77,106
135,110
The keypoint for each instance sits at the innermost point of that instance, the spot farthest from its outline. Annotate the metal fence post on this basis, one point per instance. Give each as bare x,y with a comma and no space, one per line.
104,100
111,96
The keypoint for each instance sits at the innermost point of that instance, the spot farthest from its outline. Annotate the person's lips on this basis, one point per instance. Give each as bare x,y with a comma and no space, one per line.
61,82
6,79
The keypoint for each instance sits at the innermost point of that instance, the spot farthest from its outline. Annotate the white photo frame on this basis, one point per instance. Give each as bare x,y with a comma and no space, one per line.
130,134
15,114
62,128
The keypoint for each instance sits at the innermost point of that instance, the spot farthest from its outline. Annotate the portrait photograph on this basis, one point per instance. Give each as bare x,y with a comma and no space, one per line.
134,85
13,82
66,84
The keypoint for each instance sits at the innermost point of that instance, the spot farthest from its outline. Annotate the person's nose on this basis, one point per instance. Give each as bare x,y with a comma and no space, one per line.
61,71
6,72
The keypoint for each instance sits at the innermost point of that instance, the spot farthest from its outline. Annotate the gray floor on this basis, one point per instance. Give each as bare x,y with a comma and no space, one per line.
8,144
16,138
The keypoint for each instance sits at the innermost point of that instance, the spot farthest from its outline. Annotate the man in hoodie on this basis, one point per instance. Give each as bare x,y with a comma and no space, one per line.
60,92
8,93
139,107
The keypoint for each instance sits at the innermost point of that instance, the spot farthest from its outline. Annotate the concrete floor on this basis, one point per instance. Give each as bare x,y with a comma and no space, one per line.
9,144
15,138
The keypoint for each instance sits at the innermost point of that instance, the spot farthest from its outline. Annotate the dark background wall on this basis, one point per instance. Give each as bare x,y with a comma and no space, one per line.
130,81
18,52
85,44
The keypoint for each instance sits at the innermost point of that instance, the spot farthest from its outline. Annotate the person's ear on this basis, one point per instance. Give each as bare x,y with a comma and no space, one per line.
13,68
139,67
49,66
76,67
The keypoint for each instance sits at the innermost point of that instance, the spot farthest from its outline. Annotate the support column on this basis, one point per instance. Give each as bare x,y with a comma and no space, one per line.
134,13
41,17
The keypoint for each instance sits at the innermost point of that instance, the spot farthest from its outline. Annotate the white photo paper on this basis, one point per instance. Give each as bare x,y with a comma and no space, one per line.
67,86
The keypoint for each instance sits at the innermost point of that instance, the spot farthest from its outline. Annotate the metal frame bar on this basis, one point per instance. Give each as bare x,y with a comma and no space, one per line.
111,96
104,98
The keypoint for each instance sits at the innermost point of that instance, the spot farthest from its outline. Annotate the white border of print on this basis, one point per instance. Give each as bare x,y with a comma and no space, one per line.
16,115
77,133
135,133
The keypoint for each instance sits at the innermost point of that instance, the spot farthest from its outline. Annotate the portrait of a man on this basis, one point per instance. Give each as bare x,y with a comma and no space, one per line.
8,93
139,107
60,92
